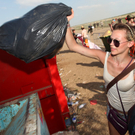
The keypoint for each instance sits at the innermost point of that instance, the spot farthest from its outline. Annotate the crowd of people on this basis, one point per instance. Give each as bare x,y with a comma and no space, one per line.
122,41
129,20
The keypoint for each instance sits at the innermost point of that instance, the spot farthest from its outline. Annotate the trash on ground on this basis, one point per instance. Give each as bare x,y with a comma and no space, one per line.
68,72
70,103
68,121
70,95
82,105
60,74
74,119
76,103
65,84
93,102
73,106
79,122
61,69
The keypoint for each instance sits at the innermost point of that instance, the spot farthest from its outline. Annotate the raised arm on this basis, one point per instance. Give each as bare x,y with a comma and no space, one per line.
73,46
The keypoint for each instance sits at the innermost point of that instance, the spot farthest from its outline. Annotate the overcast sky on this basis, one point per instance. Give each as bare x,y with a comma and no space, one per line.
85,10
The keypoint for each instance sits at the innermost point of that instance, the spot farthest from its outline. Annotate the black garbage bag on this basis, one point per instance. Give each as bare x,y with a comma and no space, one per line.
40,32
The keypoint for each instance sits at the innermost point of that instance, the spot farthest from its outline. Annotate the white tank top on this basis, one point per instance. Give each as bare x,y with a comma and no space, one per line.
125,86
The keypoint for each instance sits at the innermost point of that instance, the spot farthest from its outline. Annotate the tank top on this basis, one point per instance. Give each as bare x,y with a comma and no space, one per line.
125,86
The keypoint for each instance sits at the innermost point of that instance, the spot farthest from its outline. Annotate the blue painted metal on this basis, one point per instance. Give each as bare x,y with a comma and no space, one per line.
23,117
7,113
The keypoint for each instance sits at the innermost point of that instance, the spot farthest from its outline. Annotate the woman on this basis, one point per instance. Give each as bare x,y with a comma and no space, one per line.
121,41
130,20
85,36
112,24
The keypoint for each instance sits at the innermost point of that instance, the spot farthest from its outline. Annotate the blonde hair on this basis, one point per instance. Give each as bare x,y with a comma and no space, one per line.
129,29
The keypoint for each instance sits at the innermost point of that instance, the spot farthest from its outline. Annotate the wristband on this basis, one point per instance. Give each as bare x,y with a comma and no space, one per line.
68,25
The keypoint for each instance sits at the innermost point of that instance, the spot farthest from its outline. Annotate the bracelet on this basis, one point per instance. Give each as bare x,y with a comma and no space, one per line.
68,25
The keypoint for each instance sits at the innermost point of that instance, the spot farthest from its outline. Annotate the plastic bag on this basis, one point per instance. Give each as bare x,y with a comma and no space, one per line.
40,32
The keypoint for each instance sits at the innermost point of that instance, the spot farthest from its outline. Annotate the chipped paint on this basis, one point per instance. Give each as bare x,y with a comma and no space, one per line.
23,117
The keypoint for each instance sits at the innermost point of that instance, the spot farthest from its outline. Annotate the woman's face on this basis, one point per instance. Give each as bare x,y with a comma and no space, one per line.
132,20
120,36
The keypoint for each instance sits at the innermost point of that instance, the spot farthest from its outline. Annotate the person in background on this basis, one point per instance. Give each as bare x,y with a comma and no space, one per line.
97,24
101,24
130,20
134,19
85,36
121,41
119,20
112,24
90,29
74,35
94,24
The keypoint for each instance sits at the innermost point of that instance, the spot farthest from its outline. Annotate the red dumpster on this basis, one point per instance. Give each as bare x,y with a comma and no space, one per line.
19,79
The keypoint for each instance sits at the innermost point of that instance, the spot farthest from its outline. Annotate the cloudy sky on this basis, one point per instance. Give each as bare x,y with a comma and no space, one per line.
85,10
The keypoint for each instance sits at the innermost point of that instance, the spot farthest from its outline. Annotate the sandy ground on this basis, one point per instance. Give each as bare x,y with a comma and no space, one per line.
83,75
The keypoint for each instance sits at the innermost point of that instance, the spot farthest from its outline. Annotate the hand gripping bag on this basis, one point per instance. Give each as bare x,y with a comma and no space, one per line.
40,32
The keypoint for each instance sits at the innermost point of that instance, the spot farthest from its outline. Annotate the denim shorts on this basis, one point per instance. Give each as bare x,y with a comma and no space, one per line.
121,114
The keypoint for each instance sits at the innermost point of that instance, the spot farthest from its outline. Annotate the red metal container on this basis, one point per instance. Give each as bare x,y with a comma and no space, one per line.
19,79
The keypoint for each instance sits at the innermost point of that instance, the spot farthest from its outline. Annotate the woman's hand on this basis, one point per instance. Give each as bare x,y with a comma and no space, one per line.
72,45
71,16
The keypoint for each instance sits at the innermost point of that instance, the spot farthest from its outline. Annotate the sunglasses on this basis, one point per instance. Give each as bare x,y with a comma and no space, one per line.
115,41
